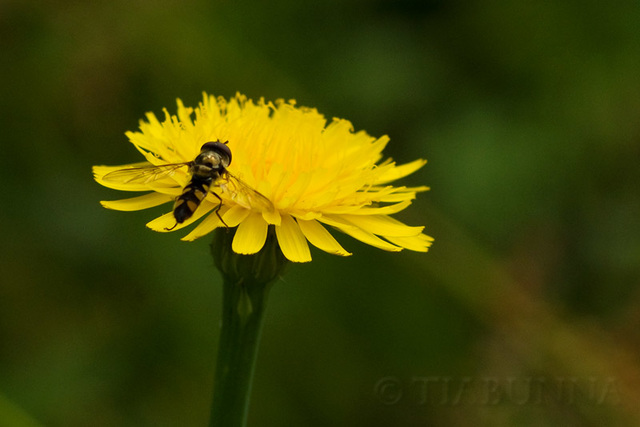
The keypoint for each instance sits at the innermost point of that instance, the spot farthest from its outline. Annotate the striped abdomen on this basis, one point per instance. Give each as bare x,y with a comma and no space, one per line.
192,195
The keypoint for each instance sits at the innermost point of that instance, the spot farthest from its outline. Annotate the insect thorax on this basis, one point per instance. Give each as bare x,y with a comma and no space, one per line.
205,171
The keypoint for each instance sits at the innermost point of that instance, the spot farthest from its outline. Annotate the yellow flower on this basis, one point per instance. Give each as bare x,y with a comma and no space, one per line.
313,174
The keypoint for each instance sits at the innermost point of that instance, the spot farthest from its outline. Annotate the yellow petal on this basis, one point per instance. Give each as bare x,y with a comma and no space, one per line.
137,203
365,210
272,217
291,240
321,238
336,221
294,190
357,233
167,222
398,172
400,194
251,235
419,243
235,215
164,223
342,209
383,225
100,171
305,215
383,210
207,225
371,239
124,178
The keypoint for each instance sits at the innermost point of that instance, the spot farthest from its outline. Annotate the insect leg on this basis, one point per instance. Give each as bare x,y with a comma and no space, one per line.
217,209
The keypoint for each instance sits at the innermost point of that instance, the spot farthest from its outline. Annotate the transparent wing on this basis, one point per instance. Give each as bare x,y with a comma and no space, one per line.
242,193
144,174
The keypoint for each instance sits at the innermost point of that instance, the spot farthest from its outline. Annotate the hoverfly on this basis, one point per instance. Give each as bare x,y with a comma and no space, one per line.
206,170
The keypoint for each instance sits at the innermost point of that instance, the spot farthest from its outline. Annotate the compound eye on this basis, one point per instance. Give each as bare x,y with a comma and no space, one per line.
220,148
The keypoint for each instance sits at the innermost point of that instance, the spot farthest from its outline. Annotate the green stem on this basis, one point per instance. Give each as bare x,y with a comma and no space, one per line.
246,283
242,314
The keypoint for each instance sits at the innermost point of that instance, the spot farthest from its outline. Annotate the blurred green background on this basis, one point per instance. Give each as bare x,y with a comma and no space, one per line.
525,312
